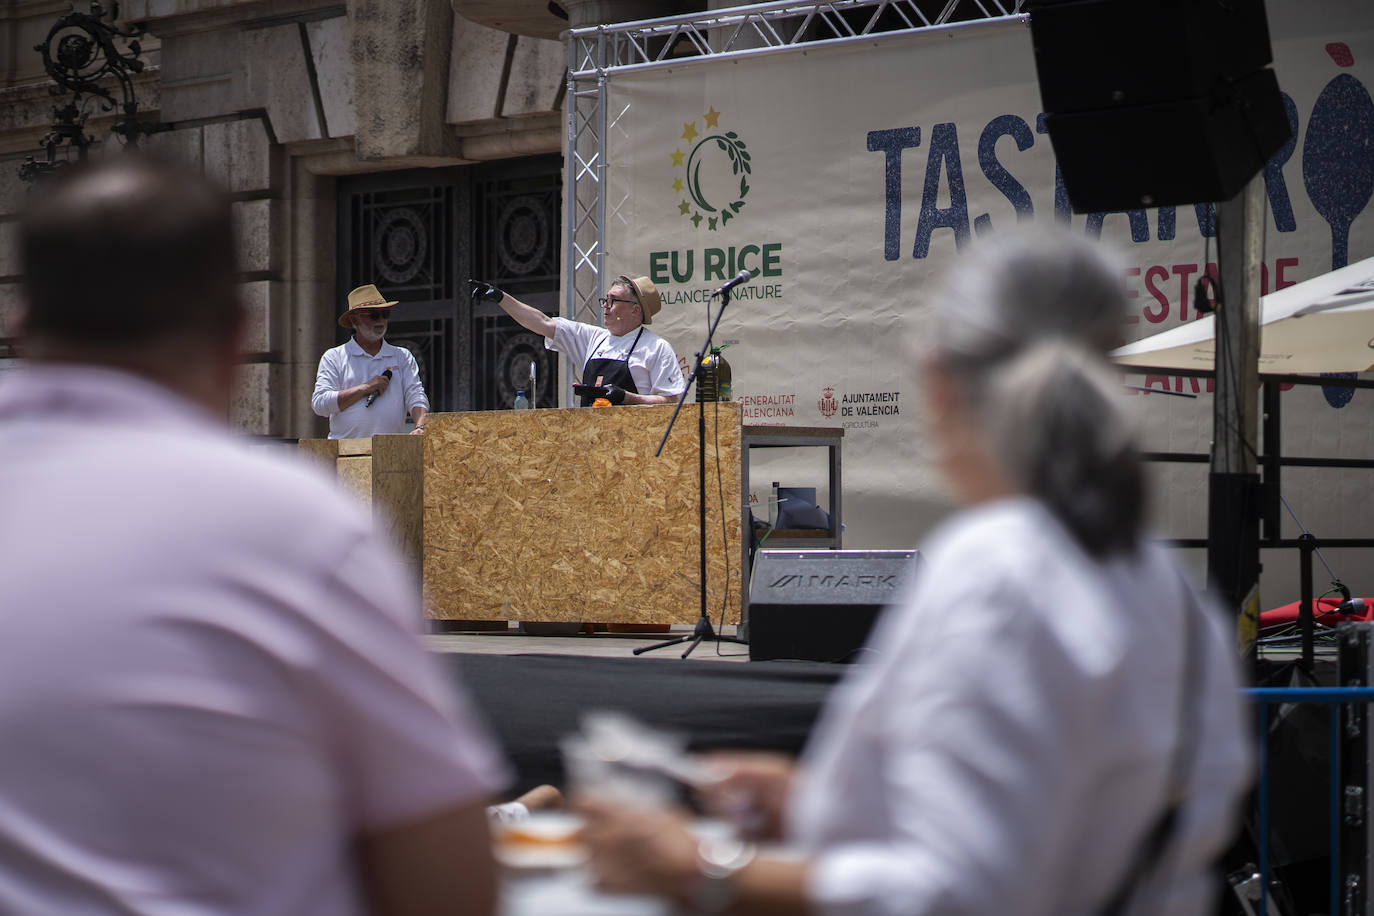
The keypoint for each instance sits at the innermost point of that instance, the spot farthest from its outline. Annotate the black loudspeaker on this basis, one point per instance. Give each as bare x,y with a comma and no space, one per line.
1156,102
820,604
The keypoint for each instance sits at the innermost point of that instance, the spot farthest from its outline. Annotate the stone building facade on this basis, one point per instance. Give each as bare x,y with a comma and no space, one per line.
406,143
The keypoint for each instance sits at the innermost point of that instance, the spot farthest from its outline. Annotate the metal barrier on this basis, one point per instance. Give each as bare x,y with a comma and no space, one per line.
1336,698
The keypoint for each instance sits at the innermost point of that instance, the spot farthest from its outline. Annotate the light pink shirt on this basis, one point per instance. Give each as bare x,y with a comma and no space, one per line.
210,679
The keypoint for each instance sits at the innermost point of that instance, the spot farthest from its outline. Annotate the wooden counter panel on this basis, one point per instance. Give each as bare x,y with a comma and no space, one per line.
324,452
397,491
355,476
567,515
383,473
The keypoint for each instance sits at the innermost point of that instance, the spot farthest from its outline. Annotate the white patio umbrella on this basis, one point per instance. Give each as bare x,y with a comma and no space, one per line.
1325,324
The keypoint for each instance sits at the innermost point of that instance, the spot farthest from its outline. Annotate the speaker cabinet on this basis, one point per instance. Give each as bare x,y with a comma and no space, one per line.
1156,102
819,605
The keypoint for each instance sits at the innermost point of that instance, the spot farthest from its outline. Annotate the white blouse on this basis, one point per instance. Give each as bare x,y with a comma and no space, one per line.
1011,743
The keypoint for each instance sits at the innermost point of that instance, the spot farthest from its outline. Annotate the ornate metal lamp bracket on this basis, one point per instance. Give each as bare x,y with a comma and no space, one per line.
79,54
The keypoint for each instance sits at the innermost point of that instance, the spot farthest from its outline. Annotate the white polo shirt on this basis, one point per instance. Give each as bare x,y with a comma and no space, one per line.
347,365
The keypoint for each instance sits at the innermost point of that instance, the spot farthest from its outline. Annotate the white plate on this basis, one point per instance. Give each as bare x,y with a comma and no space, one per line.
550,843
532,858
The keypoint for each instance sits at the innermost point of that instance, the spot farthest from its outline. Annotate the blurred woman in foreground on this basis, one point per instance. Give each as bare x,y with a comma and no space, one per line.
1052,724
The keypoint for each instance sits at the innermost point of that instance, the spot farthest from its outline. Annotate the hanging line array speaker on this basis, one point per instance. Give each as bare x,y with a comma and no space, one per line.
1156,102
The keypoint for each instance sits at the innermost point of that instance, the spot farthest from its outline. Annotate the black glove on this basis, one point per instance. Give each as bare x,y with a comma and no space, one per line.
613,393
479,289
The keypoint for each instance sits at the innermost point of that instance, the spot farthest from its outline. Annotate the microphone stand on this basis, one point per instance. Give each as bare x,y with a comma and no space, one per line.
703,628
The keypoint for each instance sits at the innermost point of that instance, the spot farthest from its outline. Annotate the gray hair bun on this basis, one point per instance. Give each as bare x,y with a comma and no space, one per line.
1024,327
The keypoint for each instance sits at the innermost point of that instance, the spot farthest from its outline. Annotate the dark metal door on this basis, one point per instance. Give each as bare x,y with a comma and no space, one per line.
400,231
516,234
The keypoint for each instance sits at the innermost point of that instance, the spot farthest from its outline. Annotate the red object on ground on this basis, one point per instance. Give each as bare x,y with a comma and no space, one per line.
1340,53
1322,609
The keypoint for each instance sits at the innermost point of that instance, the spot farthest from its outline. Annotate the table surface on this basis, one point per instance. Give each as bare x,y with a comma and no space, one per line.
569,893
793,432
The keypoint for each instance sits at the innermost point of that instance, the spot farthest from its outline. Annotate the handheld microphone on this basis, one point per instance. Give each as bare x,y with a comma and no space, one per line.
742,277
373,396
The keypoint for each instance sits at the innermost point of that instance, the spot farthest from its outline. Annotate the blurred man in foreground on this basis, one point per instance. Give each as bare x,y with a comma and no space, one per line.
212,697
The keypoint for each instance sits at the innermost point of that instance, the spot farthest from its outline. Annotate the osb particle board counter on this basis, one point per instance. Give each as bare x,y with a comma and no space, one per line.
565,514
384,473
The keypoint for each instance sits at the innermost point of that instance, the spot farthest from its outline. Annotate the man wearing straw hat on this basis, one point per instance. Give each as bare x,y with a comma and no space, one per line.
624,362
366,386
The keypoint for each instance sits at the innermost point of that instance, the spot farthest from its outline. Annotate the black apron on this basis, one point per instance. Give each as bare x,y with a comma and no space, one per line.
610,371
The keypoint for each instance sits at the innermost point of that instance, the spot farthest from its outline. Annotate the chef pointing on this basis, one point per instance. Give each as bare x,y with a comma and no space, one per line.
624,362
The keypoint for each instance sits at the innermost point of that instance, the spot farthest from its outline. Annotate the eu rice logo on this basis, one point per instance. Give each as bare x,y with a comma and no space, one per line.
712,177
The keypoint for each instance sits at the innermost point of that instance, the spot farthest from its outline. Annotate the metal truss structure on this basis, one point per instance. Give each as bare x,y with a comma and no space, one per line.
596,54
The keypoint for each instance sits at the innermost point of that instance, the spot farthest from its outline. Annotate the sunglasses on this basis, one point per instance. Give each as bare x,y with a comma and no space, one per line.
373,314
607,300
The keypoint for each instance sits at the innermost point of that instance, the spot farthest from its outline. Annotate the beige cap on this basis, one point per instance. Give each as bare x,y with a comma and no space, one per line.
649,301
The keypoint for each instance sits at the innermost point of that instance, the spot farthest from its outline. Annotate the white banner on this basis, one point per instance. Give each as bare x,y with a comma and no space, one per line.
848,176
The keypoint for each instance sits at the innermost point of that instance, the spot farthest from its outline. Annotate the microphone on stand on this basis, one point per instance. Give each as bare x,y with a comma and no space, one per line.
742,277
373,396
1352,607
533,385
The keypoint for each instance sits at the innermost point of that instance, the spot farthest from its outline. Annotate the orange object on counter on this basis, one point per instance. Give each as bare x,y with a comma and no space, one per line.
601,402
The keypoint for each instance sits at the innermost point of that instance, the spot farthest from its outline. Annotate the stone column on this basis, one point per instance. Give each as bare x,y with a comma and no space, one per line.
400,51
311,226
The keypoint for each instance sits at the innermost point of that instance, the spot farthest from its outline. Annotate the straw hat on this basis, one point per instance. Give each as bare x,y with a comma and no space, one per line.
646,293
364,297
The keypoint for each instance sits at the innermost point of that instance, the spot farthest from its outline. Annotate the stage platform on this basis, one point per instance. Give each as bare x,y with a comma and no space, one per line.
532,690
595,645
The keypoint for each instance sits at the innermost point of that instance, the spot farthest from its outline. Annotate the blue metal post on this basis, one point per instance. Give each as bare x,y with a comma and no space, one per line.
1335,775
1263,790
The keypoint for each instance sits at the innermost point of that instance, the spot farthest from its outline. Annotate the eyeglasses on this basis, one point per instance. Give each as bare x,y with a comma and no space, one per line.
373,314
607,300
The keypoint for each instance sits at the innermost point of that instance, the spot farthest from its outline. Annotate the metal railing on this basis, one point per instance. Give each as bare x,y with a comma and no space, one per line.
1345,896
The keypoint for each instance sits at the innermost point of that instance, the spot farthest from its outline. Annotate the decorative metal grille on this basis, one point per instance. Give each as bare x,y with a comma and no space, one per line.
516,231
506,350
519,231
431,343
402,241
596,54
